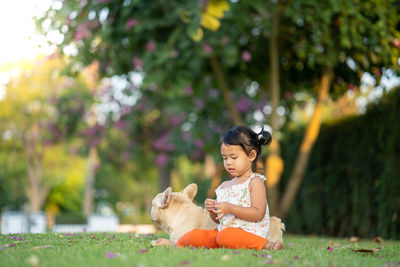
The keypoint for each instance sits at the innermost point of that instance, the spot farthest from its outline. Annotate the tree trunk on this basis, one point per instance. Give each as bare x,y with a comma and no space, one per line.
36,191
274,162
309,139
212,171
237,119
215,181
92,163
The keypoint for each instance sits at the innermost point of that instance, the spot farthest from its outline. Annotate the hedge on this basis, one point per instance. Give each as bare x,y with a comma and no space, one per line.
352,183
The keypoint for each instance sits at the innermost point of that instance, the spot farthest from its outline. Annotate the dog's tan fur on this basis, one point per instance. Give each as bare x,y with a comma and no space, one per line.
176,214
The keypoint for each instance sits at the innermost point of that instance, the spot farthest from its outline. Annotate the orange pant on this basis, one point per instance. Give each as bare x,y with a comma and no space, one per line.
227,238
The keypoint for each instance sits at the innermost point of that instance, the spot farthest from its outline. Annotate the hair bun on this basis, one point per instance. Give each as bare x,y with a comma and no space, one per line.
264,138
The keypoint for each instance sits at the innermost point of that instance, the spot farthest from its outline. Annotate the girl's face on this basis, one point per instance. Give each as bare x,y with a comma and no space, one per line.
236,161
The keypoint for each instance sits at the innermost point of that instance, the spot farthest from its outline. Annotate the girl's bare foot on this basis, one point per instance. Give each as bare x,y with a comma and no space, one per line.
162,242
273,246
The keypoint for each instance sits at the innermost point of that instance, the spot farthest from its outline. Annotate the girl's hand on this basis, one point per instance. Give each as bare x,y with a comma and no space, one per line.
222,208
210,204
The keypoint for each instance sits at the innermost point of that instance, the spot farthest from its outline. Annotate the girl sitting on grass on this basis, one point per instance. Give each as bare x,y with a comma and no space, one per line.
241,208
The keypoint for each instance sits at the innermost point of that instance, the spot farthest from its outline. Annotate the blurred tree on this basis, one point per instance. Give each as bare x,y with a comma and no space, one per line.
41,107
335,43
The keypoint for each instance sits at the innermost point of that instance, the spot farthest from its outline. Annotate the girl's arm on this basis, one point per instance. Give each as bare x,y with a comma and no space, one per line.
255,212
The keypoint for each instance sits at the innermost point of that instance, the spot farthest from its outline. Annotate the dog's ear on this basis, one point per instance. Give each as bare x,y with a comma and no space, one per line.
166,197
190,191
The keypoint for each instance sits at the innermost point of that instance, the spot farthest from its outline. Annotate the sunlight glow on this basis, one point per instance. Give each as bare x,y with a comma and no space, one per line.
17,30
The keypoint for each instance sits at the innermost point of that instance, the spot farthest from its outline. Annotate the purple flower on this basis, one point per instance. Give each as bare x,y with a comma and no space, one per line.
244,104
161,160
151,46
199,103
15,237
207,48
199,143
246,56
162,143
82,32
110,255
131,23
213,93
175,120
142,251
174,54
120,124
288,95
188,90
137,62
186,136
126,156
330,249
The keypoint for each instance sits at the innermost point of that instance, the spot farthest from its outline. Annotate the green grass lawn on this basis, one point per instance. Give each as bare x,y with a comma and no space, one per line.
107,249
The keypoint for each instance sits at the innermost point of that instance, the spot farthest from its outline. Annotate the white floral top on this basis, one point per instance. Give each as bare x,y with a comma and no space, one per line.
239,194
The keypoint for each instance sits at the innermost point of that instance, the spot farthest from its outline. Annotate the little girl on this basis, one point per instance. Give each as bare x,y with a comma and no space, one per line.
241,208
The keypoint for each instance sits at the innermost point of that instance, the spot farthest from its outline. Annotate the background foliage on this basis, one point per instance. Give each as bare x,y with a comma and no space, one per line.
352,182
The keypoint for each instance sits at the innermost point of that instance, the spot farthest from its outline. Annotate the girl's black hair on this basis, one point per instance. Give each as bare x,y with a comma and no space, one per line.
245,137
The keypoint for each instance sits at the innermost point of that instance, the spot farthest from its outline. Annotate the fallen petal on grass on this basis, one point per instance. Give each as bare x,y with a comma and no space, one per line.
15,237
183,263
110,255
140,251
